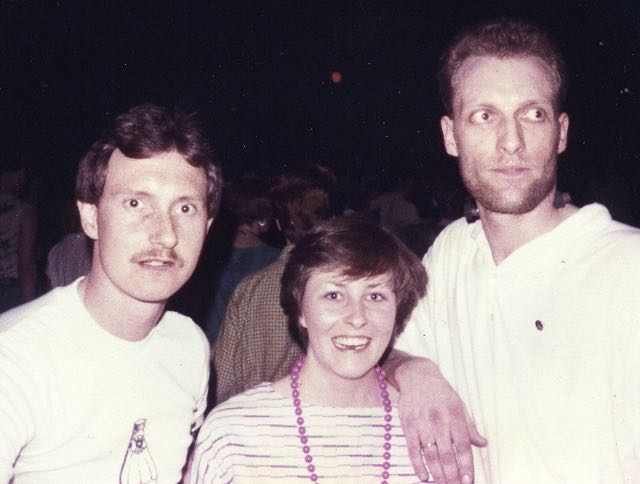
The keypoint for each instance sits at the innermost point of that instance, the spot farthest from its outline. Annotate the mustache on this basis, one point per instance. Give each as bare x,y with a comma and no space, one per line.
164,254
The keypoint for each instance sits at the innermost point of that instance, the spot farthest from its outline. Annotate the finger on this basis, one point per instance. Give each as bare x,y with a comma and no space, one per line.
431,457
440,458
415,453
474,436
447,458
463,453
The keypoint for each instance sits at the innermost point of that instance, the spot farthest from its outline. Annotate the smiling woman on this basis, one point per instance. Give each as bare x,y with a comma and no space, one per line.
347,289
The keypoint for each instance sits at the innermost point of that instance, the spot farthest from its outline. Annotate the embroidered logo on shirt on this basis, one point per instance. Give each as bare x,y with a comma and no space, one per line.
138,466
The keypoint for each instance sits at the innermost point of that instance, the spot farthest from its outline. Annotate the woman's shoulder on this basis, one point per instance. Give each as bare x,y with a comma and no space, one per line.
258,401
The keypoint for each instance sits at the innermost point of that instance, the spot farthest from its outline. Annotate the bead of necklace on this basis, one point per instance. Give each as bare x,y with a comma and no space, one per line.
302,431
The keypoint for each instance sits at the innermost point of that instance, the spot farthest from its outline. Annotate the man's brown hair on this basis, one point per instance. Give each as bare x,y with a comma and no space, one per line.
142,132
502,38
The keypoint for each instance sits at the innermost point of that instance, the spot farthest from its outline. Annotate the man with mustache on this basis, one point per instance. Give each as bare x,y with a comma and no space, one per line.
99,383
532,310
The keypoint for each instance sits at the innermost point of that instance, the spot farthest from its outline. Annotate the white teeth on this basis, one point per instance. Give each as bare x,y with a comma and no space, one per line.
154,263
351,342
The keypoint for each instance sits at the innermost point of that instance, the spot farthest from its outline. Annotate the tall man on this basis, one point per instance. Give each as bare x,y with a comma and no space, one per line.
99,383
531,312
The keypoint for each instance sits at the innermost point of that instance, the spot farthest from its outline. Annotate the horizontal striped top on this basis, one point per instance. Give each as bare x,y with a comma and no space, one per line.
253,438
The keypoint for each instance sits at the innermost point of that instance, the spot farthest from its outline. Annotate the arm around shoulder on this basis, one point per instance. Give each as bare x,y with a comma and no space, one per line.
436,424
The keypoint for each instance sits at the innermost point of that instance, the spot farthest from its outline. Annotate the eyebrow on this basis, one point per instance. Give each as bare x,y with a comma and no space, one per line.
372,285
147,194
137,193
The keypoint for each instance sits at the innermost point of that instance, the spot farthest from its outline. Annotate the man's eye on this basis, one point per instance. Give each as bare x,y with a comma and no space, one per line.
187,208
133,203
481,116
534,114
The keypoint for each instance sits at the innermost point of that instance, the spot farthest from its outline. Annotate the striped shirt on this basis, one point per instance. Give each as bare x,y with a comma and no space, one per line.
253,438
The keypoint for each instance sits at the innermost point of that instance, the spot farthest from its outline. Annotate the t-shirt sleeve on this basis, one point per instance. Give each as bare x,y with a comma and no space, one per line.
203,385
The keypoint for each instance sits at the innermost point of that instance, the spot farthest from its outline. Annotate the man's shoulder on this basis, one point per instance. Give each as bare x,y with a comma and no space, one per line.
266,278
42,311
182,330
603,236
454,236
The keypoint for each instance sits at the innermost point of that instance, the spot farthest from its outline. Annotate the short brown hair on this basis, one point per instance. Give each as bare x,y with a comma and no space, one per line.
142,132
247,200
300,201
357,248
502,38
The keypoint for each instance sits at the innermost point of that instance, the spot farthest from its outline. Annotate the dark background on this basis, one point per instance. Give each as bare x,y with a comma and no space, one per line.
260,75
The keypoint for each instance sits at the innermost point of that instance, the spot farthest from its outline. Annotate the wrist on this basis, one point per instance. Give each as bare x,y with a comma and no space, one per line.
415,369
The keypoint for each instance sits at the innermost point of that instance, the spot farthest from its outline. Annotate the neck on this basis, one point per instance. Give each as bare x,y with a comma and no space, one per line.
319,386
245,237
116,312
508,232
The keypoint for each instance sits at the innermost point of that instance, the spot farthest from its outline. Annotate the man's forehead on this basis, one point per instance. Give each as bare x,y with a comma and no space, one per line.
514,73
169,156
163,171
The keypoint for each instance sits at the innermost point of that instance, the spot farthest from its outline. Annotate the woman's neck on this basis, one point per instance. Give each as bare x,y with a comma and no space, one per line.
320,386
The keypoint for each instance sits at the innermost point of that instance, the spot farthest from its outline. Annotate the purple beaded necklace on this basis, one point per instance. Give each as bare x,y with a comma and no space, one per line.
302,431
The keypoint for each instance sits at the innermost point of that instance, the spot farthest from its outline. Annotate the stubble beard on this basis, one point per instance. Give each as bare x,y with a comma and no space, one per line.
510,201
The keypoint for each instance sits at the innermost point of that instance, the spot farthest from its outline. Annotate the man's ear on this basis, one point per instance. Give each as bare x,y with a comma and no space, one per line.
88,218
563,121
446,124
209,222
302,322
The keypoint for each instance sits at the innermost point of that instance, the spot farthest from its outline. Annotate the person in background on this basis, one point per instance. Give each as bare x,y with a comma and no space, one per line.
347,288
254,343
69,259
99,383
18,227
532,308
248,203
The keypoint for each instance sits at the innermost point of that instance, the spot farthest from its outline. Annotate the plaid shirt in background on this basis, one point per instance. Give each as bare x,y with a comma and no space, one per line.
254,344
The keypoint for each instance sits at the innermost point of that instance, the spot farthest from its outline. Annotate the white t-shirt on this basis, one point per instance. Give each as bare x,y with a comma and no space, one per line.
544,348
74,396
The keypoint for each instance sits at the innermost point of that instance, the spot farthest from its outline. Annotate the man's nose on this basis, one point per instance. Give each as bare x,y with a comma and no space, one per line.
510,137
163,232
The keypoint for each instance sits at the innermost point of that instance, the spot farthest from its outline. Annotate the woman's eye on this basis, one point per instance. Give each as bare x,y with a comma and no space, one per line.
334,296
376,296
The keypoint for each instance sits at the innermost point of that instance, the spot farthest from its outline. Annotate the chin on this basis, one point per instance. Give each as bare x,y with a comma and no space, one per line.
150,295
355,371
